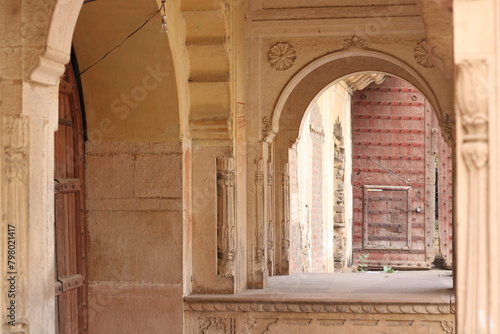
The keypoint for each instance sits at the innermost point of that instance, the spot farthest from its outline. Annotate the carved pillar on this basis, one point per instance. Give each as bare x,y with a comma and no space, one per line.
14,212
260,261
476,303
270,222
226,239
285,222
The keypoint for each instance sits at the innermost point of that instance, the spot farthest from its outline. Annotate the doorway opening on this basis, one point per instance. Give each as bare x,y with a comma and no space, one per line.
370,180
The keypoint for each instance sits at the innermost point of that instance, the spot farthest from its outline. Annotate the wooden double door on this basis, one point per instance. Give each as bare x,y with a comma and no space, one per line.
70,222
398,205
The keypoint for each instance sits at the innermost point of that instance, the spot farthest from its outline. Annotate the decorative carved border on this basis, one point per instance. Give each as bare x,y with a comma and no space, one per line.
309,307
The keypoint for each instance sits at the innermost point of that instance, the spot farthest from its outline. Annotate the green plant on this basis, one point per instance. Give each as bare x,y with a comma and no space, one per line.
389,270
362,263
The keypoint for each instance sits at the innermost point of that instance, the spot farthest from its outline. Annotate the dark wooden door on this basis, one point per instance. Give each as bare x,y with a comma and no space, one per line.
393,176
70,226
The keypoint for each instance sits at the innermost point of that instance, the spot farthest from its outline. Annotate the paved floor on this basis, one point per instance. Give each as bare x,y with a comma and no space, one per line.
433,286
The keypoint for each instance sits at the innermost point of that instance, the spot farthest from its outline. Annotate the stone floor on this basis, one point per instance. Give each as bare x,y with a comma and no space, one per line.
420,302
433,286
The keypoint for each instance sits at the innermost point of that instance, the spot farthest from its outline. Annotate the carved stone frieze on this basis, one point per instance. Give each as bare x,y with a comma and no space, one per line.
285,222
281,56
15,144
260,226
326,307
212,325
14,208
423,52
354,43
226,219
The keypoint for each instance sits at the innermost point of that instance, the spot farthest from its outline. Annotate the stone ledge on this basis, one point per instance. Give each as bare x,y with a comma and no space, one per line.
203,304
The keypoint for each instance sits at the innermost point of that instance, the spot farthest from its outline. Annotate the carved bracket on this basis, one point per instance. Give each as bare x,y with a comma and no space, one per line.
226,218
472,103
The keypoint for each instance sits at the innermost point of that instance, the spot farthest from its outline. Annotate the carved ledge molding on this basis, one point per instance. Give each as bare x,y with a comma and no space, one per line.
219,128
327,307
281,56
226,217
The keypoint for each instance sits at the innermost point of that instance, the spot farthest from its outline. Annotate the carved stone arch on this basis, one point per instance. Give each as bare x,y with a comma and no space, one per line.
49,65
295,99
317,76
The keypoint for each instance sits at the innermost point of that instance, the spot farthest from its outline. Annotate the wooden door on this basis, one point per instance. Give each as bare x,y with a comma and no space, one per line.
393,176
444,190
70,226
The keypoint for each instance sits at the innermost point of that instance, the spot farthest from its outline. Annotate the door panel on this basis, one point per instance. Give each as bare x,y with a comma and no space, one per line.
70,226
393,176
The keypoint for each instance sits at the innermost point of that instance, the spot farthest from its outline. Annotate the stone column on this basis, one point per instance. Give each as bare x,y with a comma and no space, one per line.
270,222
477,100
259,260
226,238
285,222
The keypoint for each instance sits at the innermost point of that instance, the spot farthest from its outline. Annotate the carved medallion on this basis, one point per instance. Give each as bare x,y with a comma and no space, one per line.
281,56
423,53
354,42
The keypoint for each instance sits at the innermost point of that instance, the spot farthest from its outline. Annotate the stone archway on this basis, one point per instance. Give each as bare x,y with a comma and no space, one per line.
303,88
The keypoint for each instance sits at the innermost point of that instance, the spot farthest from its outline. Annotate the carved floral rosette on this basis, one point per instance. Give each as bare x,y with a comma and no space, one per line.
281,56
226,229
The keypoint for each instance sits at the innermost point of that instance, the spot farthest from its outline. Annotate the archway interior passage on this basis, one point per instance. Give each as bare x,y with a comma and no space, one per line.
370,176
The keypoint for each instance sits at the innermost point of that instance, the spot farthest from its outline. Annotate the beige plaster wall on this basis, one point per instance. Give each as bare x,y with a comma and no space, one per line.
135,227
136,165
131,95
